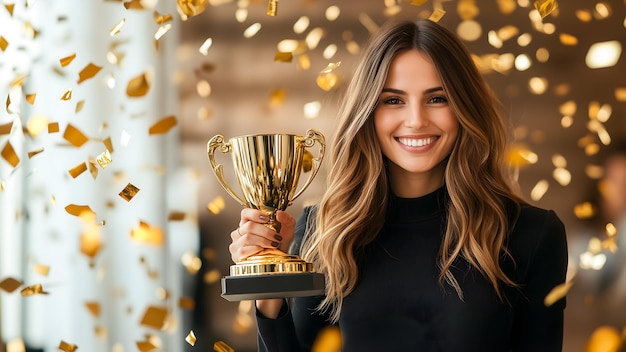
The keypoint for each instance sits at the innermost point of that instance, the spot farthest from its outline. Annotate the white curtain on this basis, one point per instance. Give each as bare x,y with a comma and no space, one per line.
94,302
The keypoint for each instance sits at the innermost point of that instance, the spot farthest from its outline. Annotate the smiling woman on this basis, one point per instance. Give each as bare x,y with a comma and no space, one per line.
423,241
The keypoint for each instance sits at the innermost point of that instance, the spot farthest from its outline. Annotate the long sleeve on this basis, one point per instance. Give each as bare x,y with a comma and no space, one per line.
298,323
538,327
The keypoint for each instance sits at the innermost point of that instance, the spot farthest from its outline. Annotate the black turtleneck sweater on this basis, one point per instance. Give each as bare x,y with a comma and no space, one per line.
400,305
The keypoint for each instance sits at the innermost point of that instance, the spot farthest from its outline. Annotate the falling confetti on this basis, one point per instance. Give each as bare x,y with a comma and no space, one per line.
144,233
9,154
129,192
154,317
557,293
163,125
192,7
36,289
546,7
221,346
78,170
118,27
10,284
138,86
67,347
191,338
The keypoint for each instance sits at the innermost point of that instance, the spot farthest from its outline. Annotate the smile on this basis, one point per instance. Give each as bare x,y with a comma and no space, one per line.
416,142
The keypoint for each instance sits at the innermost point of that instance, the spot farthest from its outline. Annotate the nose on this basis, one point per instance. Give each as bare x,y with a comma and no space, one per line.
416,117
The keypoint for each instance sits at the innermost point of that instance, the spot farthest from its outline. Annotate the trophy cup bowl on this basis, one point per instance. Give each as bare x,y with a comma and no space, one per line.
268,168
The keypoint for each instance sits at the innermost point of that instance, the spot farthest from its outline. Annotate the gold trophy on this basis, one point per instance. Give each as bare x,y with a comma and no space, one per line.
267,168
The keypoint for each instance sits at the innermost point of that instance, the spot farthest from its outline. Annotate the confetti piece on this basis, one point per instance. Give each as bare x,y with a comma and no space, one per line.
154,317
138,86
134,5
42,269
30,98
191,338
145,346
10,284
36,289
539,190
94,308
93,169
104,159
163,126
67,60
557,293
272,7
187,303
88,72
7,104
545,7
8,154
34,152
79,210
437,15
10,8
605,339
418,2
328,339
283,57
78,169
90,243
162,30
67,95
160,19
53,127
216,205
252,30
204,48
6,128
603,54
117,28
192,7
36,125
74,136
221,346
3,43
129,192
124,138
108,144
277,97
67,347
176,216
147,234
568,39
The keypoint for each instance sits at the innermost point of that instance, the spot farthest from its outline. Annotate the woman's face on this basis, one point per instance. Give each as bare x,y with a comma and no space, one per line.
414,124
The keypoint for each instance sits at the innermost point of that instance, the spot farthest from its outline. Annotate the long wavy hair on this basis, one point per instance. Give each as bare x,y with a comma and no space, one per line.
352,209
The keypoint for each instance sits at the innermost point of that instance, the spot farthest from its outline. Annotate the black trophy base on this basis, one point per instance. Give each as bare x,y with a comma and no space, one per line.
253,287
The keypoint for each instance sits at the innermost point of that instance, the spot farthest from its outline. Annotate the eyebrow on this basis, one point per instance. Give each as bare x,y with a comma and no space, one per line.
399,91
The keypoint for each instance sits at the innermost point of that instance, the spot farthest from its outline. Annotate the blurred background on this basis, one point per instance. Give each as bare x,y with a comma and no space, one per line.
114,231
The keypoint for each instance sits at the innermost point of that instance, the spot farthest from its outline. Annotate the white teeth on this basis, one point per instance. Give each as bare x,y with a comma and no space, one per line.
416,142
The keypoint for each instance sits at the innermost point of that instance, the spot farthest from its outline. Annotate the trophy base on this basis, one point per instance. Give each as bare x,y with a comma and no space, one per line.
254,287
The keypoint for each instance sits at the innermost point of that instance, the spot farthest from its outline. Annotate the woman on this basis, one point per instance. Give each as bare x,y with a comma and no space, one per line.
424,243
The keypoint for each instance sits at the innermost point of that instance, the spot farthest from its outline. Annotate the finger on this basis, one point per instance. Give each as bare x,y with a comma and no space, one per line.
249,214
238,253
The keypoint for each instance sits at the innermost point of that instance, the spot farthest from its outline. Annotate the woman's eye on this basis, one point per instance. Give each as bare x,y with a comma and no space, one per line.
392,101
438,99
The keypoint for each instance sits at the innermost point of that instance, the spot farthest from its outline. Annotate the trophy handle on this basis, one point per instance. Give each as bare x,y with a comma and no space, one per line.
225,147
312,136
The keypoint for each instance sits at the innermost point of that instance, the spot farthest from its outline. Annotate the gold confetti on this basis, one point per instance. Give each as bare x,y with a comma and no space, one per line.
138,86
568,39
8,153
93,169
67,60
187,303
216,205
10,284
147,234
88,72
30,98
212,276
34,152
67,347
117,28
134,5
605,339
467,9
67,95
160,19
53,127
191,338
78,169
620,94
6,128
145,346
252,30
94,308
163,125
437,15
74,136
557,293
80,210
3,43
10,8
545,7
272,7
192,263
176,216
36,289
162,30
204,48
277,97
108,144
18,81
154,317
36,125
90,243
283,57
104,159
328,339
221,346
539,190
42,269
192,7
129,192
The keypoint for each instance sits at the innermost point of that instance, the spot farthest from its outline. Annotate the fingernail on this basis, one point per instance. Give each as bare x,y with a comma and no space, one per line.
278,238
263,217
275,244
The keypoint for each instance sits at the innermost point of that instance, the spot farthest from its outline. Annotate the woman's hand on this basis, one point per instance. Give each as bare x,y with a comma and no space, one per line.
253,236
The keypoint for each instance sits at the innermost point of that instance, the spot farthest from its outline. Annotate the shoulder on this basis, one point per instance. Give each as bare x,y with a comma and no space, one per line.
537,234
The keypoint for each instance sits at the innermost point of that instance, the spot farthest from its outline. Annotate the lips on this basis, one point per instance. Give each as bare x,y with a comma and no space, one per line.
416,142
